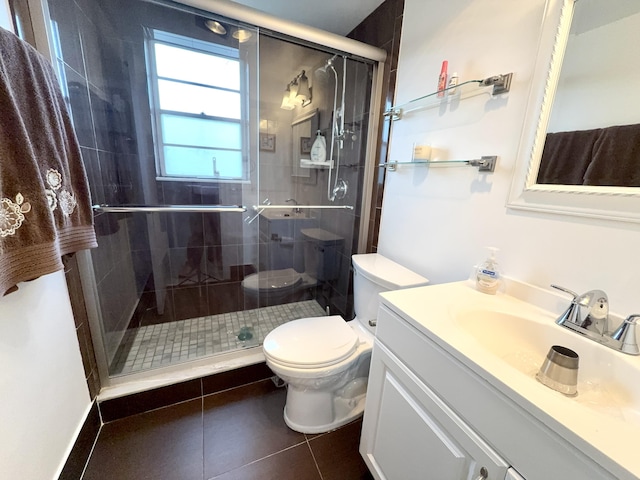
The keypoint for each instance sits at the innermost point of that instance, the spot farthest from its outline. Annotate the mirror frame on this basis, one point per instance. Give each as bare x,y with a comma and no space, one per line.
610,203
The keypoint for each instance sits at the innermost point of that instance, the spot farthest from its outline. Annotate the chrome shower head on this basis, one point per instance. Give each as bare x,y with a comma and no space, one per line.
328,64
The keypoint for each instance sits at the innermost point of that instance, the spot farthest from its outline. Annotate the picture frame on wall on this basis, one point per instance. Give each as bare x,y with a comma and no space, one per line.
305,145
267,142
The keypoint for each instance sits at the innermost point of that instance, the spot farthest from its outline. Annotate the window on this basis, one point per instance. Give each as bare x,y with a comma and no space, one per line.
196,96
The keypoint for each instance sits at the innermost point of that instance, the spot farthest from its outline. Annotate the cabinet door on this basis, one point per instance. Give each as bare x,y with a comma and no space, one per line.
410,433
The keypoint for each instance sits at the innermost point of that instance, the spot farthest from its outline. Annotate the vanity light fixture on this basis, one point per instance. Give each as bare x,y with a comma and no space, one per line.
287,101
304,91
298,91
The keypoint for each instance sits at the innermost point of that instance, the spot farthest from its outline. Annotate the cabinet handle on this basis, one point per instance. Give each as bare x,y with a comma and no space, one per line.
484,473
373,323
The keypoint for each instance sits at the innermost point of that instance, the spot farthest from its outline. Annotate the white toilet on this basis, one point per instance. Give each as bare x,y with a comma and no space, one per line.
283,285
325,360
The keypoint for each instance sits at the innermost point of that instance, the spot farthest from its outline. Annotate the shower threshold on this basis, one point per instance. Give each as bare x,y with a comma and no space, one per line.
165,344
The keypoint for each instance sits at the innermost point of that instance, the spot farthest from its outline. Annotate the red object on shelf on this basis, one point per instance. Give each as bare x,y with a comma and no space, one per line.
442,80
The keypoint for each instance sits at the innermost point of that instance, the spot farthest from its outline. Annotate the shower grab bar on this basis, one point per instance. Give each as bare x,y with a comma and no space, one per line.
288,207
167,208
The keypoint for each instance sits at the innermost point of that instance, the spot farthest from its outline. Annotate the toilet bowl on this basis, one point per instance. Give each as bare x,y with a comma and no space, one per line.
325,360
284,285
274,287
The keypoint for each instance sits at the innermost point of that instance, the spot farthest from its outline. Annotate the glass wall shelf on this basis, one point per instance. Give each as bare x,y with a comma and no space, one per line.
470,88
484,164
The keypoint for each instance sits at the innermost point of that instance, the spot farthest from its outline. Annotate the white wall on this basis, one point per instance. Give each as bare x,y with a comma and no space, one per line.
437,221
43,393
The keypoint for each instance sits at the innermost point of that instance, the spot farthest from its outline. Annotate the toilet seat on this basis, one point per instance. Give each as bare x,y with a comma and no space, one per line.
272,280
311,343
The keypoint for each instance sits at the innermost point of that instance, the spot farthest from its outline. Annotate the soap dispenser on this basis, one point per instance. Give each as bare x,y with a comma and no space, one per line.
488,278
319,149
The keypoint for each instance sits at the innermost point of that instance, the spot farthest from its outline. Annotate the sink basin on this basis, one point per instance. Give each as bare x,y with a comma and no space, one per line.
606,382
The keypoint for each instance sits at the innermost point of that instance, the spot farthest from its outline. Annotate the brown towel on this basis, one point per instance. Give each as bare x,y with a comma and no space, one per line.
45,207
566,157
616,157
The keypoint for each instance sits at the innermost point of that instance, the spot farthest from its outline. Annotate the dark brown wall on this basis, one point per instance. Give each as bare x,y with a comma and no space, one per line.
382,29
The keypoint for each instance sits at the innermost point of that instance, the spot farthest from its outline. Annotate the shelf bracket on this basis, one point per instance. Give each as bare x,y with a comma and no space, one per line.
485,163
501,83
393,113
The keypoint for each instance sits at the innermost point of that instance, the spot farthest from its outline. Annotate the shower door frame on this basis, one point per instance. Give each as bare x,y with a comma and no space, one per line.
115,386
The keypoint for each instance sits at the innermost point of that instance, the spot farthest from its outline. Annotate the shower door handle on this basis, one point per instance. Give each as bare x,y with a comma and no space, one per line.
167,208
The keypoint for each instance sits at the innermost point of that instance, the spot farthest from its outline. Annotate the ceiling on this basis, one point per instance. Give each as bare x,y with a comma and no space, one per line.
336,16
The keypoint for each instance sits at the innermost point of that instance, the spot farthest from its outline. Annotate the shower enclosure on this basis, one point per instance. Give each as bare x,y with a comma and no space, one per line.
205,190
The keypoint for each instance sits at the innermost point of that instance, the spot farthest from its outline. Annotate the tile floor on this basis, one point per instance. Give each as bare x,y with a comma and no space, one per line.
154,346
236,434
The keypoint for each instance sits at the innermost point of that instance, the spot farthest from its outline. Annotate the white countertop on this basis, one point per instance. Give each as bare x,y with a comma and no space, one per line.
609,434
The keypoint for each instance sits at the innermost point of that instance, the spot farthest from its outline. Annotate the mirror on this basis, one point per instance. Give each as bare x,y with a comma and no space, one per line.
578,119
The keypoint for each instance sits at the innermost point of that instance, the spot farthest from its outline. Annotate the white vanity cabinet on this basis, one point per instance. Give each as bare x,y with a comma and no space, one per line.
430,416
410,433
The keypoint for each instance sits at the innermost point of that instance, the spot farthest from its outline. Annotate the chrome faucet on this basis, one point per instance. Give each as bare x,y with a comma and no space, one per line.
589,311
588,314
295,202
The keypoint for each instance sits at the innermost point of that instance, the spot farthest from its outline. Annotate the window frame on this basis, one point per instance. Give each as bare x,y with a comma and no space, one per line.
155,36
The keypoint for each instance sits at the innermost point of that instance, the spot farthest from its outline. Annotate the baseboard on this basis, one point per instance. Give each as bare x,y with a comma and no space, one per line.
82,447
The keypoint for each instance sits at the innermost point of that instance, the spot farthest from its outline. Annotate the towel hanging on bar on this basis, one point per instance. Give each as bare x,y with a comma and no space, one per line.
45,209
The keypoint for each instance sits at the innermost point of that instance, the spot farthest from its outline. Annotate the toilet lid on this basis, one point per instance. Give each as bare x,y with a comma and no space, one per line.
313,342
269,280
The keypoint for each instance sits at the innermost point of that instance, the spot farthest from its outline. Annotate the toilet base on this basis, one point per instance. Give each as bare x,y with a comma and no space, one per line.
320,411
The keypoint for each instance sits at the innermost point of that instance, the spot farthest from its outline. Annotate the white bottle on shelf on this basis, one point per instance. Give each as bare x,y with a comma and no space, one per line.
319,149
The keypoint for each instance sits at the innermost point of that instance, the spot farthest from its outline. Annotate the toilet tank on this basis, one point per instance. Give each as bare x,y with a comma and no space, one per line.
374,274
322,253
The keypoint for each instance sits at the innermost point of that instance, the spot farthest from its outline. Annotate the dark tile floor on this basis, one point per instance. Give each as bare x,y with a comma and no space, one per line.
237,434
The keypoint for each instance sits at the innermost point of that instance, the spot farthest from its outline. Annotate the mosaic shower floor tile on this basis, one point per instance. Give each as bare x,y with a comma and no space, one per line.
164,344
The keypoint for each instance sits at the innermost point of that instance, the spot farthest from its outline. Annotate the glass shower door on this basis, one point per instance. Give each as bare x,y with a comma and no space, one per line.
166,114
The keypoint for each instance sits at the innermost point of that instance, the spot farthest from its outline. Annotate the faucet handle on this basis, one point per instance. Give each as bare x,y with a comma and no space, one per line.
566,290
626,335
571,313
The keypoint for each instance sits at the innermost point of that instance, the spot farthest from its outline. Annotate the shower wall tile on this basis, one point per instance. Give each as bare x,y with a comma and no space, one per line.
224,298
383,29
74,285
101,257
190,302
221,260
155,311
378,27
186,229
65,14
141,261
394,52
138,228
80,108
102,113
92,168
91,50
